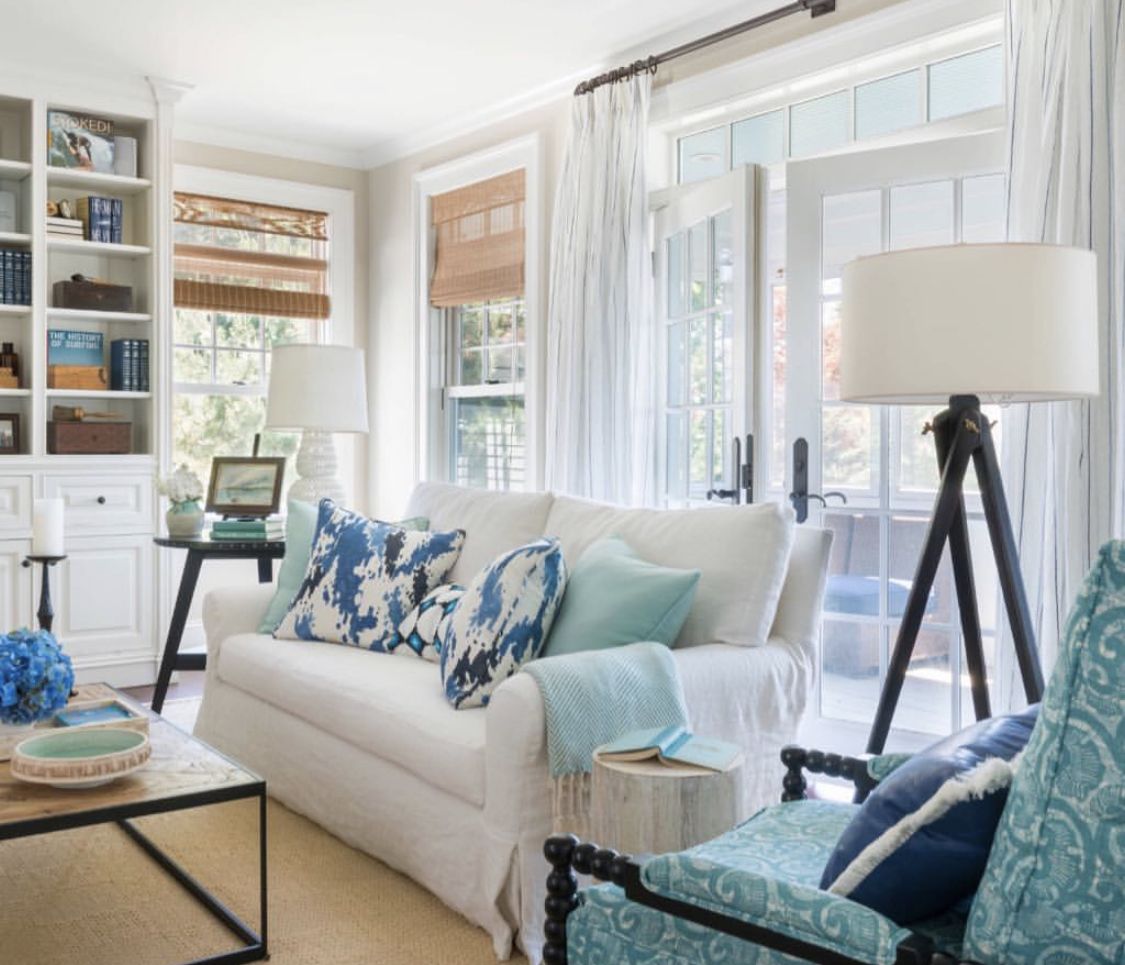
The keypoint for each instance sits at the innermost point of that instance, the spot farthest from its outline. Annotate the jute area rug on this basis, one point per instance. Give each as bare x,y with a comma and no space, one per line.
92,897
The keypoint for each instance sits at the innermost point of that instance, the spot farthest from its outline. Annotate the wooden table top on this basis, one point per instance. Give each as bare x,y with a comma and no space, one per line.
180,767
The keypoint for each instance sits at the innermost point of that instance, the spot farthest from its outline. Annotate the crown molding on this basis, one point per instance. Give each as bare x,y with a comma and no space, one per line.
268,144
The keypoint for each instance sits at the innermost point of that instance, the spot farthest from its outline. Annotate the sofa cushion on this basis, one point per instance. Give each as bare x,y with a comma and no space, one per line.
421,632
501,622
614,597
300,528
364,577
386,705
494,522
1053,890
937,811
741,552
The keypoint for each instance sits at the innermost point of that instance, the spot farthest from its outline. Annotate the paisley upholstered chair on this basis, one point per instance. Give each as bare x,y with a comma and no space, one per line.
1053,890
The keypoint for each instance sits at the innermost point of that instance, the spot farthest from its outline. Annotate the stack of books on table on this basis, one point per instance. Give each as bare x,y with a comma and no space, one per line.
265,527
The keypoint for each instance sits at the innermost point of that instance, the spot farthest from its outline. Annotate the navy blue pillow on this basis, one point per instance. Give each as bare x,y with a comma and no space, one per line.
921,840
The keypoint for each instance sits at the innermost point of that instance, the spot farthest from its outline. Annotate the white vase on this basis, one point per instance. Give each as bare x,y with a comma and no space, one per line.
184,520
10,736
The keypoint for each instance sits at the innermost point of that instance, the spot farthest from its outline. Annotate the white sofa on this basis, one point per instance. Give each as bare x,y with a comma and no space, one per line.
366,746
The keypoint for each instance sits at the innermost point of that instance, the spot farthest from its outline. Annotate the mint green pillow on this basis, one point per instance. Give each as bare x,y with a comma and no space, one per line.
613,597
300,528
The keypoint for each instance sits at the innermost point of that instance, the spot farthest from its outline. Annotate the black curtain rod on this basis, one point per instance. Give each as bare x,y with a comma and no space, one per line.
814,7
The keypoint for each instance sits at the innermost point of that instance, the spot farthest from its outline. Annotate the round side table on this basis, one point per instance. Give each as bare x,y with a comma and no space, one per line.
645,807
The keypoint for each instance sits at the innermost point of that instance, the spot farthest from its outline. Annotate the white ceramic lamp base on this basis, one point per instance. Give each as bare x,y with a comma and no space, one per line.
317,470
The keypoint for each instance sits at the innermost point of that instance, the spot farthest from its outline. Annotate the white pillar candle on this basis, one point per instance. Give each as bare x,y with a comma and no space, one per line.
47,528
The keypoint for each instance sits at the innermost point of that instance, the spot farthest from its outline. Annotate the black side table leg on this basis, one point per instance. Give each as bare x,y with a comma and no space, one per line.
265,569
190,577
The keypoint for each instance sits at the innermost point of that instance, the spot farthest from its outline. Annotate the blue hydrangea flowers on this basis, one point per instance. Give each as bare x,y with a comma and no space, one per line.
35,676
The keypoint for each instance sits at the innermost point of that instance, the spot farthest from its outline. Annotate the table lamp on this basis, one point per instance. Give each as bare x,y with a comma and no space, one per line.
318,389
954,325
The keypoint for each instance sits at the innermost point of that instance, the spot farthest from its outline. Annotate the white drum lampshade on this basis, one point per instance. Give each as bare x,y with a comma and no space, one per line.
319,389
1004,322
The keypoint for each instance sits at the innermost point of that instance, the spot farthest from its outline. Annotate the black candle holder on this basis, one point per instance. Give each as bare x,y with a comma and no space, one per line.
46,612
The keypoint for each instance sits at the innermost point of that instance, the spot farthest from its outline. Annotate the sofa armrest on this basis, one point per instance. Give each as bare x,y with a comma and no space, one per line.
751,696
516,748
232,610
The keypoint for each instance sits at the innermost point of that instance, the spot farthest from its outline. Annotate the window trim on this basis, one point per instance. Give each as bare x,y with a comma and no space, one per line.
431,442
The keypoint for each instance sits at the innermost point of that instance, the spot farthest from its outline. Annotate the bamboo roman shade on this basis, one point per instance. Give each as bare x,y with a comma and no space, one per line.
480,242
237,256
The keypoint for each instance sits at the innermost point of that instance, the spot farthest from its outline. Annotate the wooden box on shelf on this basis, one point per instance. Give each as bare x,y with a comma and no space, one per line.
89,438
8,379
93,295
85,377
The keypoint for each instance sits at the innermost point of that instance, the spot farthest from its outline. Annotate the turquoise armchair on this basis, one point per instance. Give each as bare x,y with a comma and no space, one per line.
1053,890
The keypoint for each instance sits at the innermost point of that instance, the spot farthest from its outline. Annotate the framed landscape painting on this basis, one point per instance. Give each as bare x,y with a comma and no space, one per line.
245,485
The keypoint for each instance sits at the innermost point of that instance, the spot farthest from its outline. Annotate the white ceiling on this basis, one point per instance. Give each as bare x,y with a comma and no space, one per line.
354,79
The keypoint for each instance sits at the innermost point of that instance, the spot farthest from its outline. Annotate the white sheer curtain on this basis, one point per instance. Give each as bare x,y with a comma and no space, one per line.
1065,462
600,426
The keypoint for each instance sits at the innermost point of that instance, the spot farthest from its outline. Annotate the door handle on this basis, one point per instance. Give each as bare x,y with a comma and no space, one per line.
721,494
800,495
835,494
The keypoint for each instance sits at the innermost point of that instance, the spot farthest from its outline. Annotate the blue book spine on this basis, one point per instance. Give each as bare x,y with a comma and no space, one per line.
6,294
142,363
120,365
25,295
117,216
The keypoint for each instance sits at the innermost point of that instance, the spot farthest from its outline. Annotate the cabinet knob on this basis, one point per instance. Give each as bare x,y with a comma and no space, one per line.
101,500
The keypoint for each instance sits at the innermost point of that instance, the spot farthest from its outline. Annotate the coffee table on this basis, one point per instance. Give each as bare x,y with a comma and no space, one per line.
182,773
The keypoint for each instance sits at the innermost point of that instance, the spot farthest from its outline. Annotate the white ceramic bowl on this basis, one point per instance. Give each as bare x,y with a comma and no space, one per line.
81,757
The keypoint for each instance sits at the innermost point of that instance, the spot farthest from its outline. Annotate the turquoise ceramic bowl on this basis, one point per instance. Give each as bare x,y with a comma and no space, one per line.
81,757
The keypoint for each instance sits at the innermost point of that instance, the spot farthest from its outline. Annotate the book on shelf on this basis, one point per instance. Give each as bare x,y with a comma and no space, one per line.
67,347
80,141
270,527
672,746
128,365
15,276
102,218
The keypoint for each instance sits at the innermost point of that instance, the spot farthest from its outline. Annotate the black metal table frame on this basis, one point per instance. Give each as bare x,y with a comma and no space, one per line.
254,946
264,551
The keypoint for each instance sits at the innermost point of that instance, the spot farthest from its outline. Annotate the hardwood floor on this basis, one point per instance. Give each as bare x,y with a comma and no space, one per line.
189,684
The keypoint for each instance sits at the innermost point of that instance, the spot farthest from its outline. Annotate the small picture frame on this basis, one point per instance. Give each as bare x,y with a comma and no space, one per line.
9,433
245,485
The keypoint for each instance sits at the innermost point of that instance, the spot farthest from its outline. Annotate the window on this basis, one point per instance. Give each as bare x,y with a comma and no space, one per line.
477,295
248,276
931,92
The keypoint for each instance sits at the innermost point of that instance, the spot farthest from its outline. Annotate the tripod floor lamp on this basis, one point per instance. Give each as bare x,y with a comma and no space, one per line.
953,325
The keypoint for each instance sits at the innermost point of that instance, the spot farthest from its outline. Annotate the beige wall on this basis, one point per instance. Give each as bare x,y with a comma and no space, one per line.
391,332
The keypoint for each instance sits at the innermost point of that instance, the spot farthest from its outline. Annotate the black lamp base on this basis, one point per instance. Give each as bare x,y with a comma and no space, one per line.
961,433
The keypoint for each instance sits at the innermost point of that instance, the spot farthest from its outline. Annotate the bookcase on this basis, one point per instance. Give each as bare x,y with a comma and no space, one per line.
106,591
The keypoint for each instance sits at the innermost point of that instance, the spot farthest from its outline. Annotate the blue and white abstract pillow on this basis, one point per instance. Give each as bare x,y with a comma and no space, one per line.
502,621
364,577
422,631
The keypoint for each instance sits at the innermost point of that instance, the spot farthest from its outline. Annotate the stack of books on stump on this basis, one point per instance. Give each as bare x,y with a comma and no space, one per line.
248,528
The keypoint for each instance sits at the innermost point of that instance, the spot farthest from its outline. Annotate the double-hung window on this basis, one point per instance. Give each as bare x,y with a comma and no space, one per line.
477,293
248,276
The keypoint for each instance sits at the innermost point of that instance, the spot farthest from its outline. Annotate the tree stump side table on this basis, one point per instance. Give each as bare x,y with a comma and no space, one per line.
645,807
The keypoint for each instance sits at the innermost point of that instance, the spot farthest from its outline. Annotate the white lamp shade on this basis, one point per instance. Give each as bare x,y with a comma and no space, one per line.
1005,322
317,387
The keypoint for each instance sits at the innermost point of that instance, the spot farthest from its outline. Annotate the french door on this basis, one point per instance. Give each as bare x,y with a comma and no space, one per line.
872,469
705,254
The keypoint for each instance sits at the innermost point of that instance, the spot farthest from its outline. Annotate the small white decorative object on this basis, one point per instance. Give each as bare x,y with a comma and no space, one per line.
320,389
48,528
184,490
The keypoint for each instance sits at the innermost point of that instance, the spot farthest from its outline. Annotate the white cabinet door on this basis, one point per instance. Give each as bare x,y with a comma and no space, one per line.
103,594
15,585
15,505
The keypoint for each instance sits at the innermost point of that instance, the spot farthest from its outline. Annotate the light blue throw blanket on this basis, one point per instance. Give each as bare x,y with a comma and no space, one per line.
595,696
